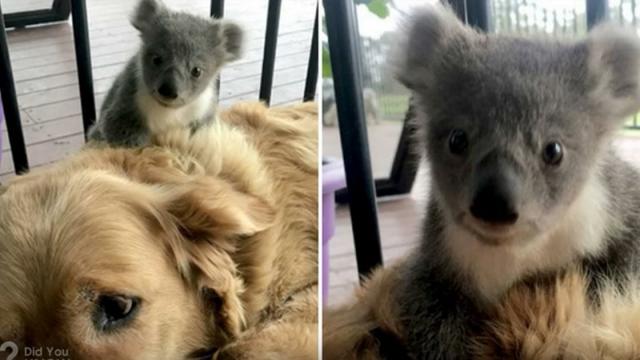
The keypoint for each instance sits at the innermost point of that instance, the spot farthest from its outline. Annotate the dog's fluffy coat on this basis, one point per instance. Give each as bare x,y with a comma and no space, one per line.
556,320
215,232
551,319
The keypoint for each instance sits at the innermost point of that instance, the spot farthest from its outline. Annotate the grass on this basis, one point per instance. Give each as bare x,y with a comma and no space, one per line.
393,107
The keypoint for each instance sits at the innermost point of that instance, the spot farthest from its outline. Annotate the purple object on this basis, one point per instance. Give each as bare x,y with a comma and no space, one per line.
1,136
332,180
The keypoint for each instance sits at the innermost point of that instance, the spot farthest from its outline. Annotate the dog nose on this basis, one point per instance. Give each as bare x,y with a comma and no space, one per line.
168,91
493,203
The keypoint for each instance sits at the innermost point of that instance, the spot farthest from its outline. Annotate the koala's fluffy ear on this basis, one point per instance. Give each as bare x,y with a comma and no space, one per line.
613,67
426,33
232,39
145,13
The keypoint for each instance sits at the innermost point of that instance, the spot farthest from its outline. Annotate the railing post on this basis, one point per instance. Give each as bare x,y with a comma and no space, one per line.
217,9
459,7
597,10
270,45
312,69
217,12
10,105
478,14
341,30
83,62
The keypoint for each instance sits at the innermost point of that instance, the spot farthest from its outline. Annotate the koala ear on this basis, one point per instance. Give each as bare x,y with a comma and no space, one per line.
233,40
145,13
613,68
420,42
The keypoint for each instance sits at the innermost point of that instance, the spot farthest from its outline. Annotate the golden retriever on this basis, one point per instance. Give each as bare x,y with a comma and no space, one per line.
349,331
557,319
202,245
549,319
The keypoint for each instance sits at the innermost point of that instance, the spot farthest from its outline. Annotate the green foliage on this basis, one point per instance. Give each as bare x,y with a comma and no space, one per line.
393,106
379,8
326,63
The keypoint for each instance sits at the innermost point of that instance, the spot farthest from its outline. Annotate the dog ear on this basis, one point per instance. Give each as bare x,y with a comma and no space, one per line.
221,290
208,268
232,39
208,216
613,67
145,13
207,208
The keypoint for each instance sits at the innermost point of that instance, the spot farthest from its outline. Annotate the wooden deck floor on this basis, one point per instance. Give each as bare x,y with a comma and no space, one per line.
47,85
399,217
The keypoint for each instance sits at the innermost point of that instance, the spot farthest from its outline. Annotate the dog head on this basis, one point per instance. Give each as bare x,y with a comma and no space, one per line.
118,264
181,53
515,126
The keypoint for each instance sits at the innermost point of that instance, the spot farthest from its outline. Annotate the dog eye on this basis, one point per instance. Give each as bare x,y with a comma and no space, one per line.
552,153
157,60
196,72
458,142
114,311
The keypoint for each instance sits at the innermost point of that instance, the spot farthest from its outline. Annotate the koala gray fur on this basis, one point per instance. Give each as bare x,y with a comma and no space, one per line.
160,86
505,204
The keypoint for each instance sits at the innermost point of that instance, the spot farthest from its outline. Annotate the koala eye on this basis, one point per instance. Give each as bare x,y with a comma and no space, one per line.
114,311
458,142
552,153
157,60
196,72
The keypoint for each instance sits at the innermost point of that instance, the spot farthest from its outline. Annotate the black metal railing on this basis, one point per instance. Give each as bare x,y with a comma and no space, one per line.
345,59
83,60
10,105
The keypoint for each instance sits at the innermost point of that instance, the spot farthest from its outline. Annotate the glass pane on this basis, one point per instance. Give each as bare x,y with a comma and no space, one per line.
14,6
538,16
626,12
385,100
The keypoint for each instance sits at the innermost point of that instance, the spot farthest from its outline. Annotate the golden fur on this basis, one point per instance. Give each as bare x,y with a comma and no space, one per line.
549,319
557,320
215,232
346,329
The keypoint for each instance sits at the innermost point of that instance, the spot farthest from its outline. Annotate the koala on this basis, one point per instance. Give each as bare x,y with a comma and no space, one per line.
170,81
524,180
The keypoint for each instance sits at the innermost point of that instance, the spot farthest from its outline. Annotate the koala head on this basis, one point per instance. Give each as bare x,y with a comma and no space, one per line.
515,127
181,53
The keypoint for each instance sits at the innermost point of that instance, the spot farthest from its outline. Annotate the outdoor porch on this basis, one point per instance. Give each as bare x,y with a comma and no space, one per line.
44,66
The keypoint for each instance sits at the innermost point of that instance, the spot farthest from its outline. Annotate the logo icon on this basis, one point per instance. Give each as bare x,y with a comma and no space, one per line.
11,347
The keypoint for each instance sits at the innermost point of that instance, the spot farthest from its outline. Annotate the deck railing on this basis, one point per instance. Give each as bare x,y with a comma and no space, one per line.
83,60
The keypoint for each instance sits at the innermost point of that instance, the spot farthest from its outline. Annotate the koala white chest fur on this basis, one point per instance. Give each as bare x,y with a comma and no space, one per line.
494,268
160,118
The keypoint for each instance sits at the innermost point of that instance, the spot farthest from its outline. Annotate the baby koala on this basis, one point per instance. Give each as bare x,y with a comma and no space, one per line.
169,82
524,179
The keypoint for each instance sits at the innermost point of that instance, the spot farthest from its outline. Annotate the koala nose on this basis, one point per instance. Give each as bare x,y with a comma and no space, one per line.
168,91
493,203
